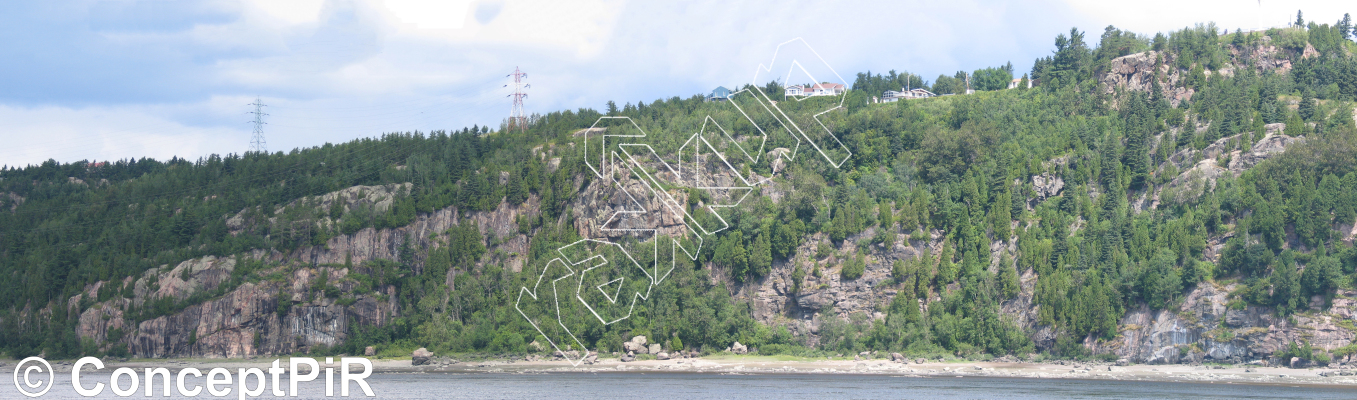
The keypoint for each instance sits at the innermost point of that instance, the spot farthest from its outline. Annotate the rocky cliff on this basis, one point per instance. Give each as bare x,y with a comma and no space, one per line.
293,301
210,310
246,320
205,308
1204,327
1139,71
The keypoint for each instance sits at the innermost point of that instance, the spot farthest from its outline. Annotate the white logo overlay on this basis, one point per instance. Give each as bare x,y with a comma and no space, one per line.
716,164
29,386
189,382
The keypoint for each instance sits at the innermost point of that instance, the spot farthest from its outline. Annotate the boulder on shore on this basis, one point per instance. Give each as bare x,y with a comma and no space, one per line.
897,357
370,351
421,356
636,345
738,348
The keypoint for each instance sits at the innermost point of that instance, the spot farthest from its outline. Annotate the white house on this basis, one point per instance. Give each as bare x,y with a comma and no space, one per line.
827,89
891,96
1014,83
819,89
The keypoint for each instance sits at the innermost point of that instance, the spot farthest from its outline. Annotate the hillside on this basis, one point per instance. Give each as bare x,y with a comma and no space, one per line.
1185,197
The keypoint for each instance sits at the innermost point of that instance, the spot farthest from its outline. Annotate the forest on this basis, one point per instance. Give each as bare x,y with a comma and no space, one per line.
960,165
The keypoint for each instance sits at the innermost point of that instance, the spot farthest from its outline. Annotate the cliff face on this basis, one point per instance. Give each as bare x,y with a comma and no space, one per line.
231,316
1205,328
776,300
1139,71
244,321
1202,328
247,319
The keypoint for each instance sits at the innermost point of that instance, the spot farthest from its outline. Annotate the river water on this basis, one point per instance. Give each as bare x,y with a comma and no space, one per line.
631,385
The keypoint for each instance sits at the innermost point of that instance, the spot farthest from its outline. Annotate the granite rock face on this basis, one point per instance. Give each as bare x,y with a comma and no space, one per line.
1205,329
1269,146
1139,71
246,320
1201,169
1202,329
257,316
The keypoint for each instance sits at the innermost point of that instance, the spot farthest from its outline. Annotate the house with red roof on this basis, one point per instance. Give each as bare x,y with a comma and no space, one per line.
819,89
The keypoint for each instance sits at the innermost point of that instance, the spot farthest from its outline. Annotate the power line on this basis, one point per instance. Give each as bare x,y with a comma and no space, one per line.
517,119
257,142
372,156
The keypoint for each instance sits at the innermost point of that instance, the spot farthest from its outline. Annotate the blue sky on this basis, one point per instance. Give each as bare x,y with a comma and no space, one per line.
99,80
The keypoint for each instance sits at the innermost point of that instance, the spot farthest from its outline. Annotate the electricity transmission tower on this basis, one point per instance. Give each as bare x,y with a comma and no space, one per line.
517,119
257,142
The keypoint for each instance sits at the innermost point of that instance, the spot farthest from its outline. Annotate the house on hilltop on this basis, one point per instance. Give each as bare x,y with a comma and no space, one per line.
819,89
719,94
891,96
827,89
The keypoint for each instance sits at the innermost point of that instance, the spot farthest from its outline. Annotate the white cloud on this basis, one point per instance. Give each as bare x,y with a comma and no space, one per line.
335,70
290,11
102,133
424,14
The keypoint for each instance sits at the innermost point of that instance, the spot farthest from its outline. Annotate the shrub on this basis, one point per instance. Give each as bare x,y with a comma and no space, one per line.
118,350
855,267
1293,39
1302,351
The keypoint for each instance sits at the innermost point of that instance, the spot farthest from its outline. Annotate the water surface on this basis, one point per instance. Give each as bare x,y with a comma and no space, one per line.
634,385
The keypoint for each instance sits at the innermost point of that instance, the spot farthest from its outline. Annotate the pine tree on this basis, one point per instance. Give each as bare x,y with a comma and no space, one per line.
1285,286
885,216
946,268
1008,278
905,307
1306,109
855,267
788,238
517,189
1137,153
760,256
1000,217
1345,26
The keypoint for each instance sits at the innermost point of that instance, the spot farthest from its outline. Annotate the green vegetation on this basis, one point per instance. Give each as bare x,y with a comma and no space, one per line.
961,166
1305,352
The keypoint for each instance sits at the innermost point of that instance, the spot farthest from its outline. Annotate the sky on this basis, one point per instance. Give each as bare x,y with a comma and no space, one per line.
116,79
